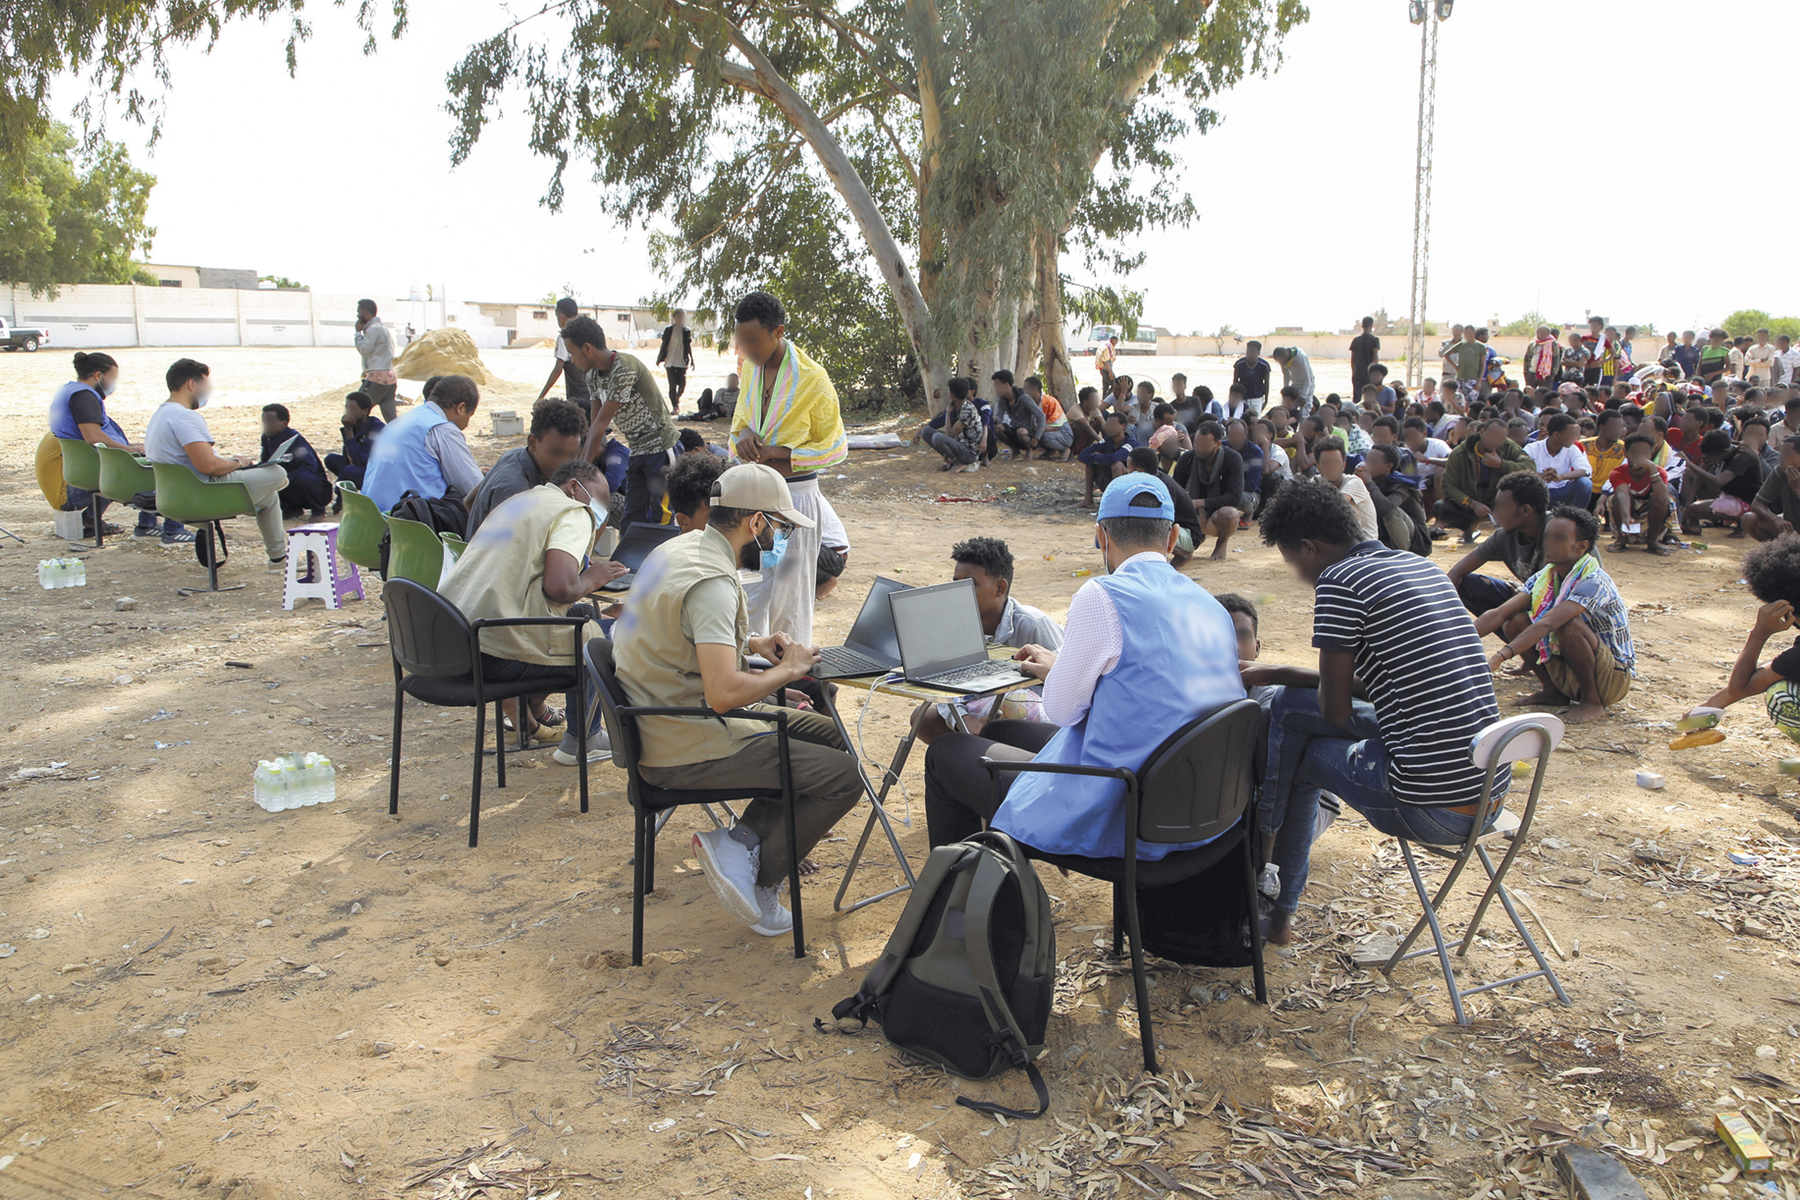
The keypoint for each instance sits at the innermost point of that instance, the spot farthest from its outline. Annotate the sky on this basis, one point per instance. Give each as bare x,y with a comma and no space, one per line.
1547,192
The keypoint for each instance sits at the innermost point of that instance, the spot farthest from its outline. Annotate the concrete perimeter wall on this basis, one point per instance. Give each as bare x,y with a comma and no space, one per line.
1393,346
96,315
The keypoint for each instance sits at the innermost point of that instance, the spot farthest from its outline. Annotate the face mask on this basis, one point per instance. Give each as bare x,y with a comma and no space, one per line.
107,389
200,398
773,554
595,507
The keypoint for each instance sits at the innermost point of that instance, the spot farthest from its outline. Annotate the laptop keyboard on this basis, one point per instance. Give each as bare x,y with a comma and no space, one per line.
843,660
973,673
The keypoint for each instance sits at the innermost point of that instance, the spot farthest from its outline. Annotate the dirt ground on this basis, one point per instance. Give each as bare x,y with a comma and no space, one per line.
201,998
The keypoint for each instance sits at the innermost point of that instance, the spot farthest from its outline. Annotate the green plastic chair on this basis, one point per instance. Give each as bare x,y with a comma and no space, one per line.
182,496
414,552
123,475
456,545
81,468
360,532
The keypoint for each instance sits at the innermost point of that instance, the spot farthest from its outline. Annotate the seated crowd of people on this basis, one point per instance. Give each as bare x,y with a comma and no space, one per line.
719,616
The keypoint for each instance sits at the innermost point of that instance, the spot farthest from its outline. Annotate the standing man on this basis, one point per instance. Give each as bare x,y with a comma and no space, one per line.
1787,362
1470,359
621,390
1714,358
1104,357
676,356
1543,360
1759,358
1296,371
787,418
1365,352
376,345
1252,373
574,381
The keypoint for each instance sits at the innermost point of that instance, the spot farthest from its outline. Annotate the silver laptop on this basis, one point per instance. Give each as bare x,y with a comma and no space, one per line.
941,643
635,545
871,647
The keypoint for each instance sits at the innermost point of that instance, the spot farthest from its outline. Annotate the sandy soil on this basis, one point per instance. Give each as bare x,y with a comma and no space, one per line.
201,998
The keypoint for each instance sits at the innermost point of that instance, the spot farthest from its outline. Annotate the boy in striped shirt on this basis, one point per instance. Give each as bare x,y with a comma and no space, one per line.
1387,719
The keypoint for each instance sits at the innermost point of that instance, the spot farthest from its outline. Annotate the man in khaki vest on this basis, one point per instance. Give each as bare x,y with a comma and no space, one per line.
530,558
682,642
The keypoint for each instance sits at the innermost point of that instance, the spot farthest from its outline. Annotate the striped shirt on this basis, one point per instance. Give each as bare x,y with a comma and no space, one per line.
1420,661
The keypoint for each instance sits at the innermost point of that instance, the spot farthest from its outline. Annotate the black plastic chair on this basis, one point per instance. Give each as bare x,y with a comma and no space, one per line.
649,802
1199,784
437,659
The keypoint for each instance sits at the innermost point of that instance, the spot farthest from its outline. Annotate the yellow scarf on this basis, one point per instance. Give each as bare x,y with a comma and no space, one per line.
801,412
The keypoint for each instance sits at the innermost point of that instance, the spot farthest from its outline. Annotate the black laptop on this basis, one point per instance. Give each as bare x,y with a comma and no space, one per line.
635,545
871,647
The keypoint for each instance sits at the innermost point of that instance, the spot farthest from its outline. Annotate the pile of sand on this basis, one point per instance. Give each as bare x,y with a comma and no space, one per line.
442,352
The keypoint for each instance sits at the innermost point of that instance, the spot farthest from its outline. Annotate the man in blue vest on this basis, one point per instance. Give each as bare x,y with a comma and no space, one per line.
1146,649
424,450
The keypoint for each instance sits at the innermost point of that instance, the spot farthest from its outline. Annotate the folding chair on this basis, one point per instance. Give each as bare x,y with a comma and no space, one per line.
650,804
1493,750
1199,784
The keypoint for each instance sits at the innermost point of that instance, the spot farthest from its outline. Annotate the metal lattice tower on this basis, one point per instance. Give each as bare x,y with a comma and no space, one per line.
1421,255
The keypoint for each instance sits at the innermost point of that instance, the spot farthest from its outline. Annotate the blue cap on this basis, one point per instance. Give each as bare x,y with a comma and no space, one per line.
1116,501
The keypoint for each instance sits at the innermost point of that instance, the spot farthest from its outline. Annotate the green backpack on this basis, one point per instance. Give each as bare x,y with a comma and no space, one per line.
967,975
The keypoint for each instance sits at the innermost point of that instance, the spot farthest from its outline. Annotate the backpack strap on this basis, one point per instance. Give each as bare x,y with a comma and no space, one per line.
990,874
942,863
1040,928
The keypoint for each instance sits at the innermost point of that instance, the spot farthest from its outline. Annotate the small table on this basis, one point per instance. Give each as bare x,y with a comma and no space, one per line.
884,685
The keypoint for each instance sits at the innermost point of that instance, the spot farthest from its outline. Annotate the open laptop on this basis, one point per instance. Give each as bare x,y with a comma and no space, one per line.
871,647
635,545
941,643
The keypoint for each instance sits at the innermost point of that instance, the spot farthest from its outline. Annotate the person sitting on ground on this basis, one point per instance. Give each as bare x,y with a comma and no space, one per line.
1169,438
690,489
1772,572
1212,474
532,558
424,451
692,441
834,550
1753,431
177,434
1382,725
1022,417
307,489
1106,457
78,413
622,392
1398,513
1005,621
1718,484
962,439
1521,507
1606,449
1472,476
1142,639
557,429
1430,455
1569,624
358,427
718,404
1561,463
1237,436
681,643
1776,509
1189,532
1334,472
1058,437
1641,496
1142,418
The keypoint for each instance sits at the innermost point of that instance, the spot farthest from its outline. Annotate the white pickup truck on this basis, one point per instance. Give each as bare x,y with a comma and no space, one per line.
19,337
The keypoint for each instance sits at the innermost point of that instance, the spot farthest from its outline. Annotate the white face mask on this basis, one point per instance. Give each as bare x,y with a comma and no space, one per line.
108,386
201,397
594,506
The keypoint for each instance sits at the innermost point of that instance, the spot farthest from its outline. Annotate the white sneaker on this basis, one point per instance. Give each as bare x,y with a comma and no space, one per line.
776,919
599,748
731,868
1330,808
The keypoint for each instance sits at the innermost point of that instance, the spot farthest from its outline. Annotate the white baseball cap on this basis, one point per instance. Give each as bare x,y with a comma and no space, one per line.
754,487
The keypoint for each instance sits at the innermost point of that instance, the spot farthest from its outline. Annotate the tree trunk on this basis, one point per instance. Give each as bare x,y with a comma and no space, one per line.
1059,375
876,233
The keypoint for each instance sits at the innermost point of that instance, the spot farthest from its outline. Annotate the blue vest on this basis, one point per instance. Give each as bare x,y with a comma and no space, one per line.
63,425
402,462
1177,659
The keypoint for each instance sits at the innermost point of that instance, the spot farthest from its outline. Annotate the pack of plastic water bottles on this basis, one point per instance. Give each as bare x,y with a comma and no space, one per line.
295,781
62,572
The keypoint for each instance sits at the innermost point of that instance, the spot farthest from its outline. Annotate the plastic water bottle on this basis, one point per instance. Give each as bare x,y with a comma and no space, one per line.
62,572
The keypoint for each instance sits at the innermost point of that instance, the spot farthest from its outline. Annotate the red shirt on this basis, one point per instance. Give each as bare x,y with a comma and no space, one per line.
1622,479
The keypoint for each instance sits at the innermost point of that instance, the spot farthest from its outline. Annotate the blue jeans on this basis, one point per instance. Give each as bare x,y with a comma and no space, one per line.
145,502
1574,492
1308,754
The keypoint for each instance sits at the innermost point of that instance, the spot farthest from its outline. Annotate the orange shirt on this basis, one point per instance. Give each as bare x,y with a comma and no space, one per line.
1053,412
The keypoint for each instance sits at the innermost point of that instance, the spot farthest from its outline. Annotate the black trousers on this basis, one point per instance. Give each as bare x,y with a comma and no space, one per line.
645,487
1483,593
677,385
1453,515
959,794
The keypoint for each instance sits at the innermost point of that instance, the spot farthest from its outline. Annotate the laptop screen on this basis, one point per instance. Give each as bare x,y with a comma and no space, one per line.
873,633
939,627
639,540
